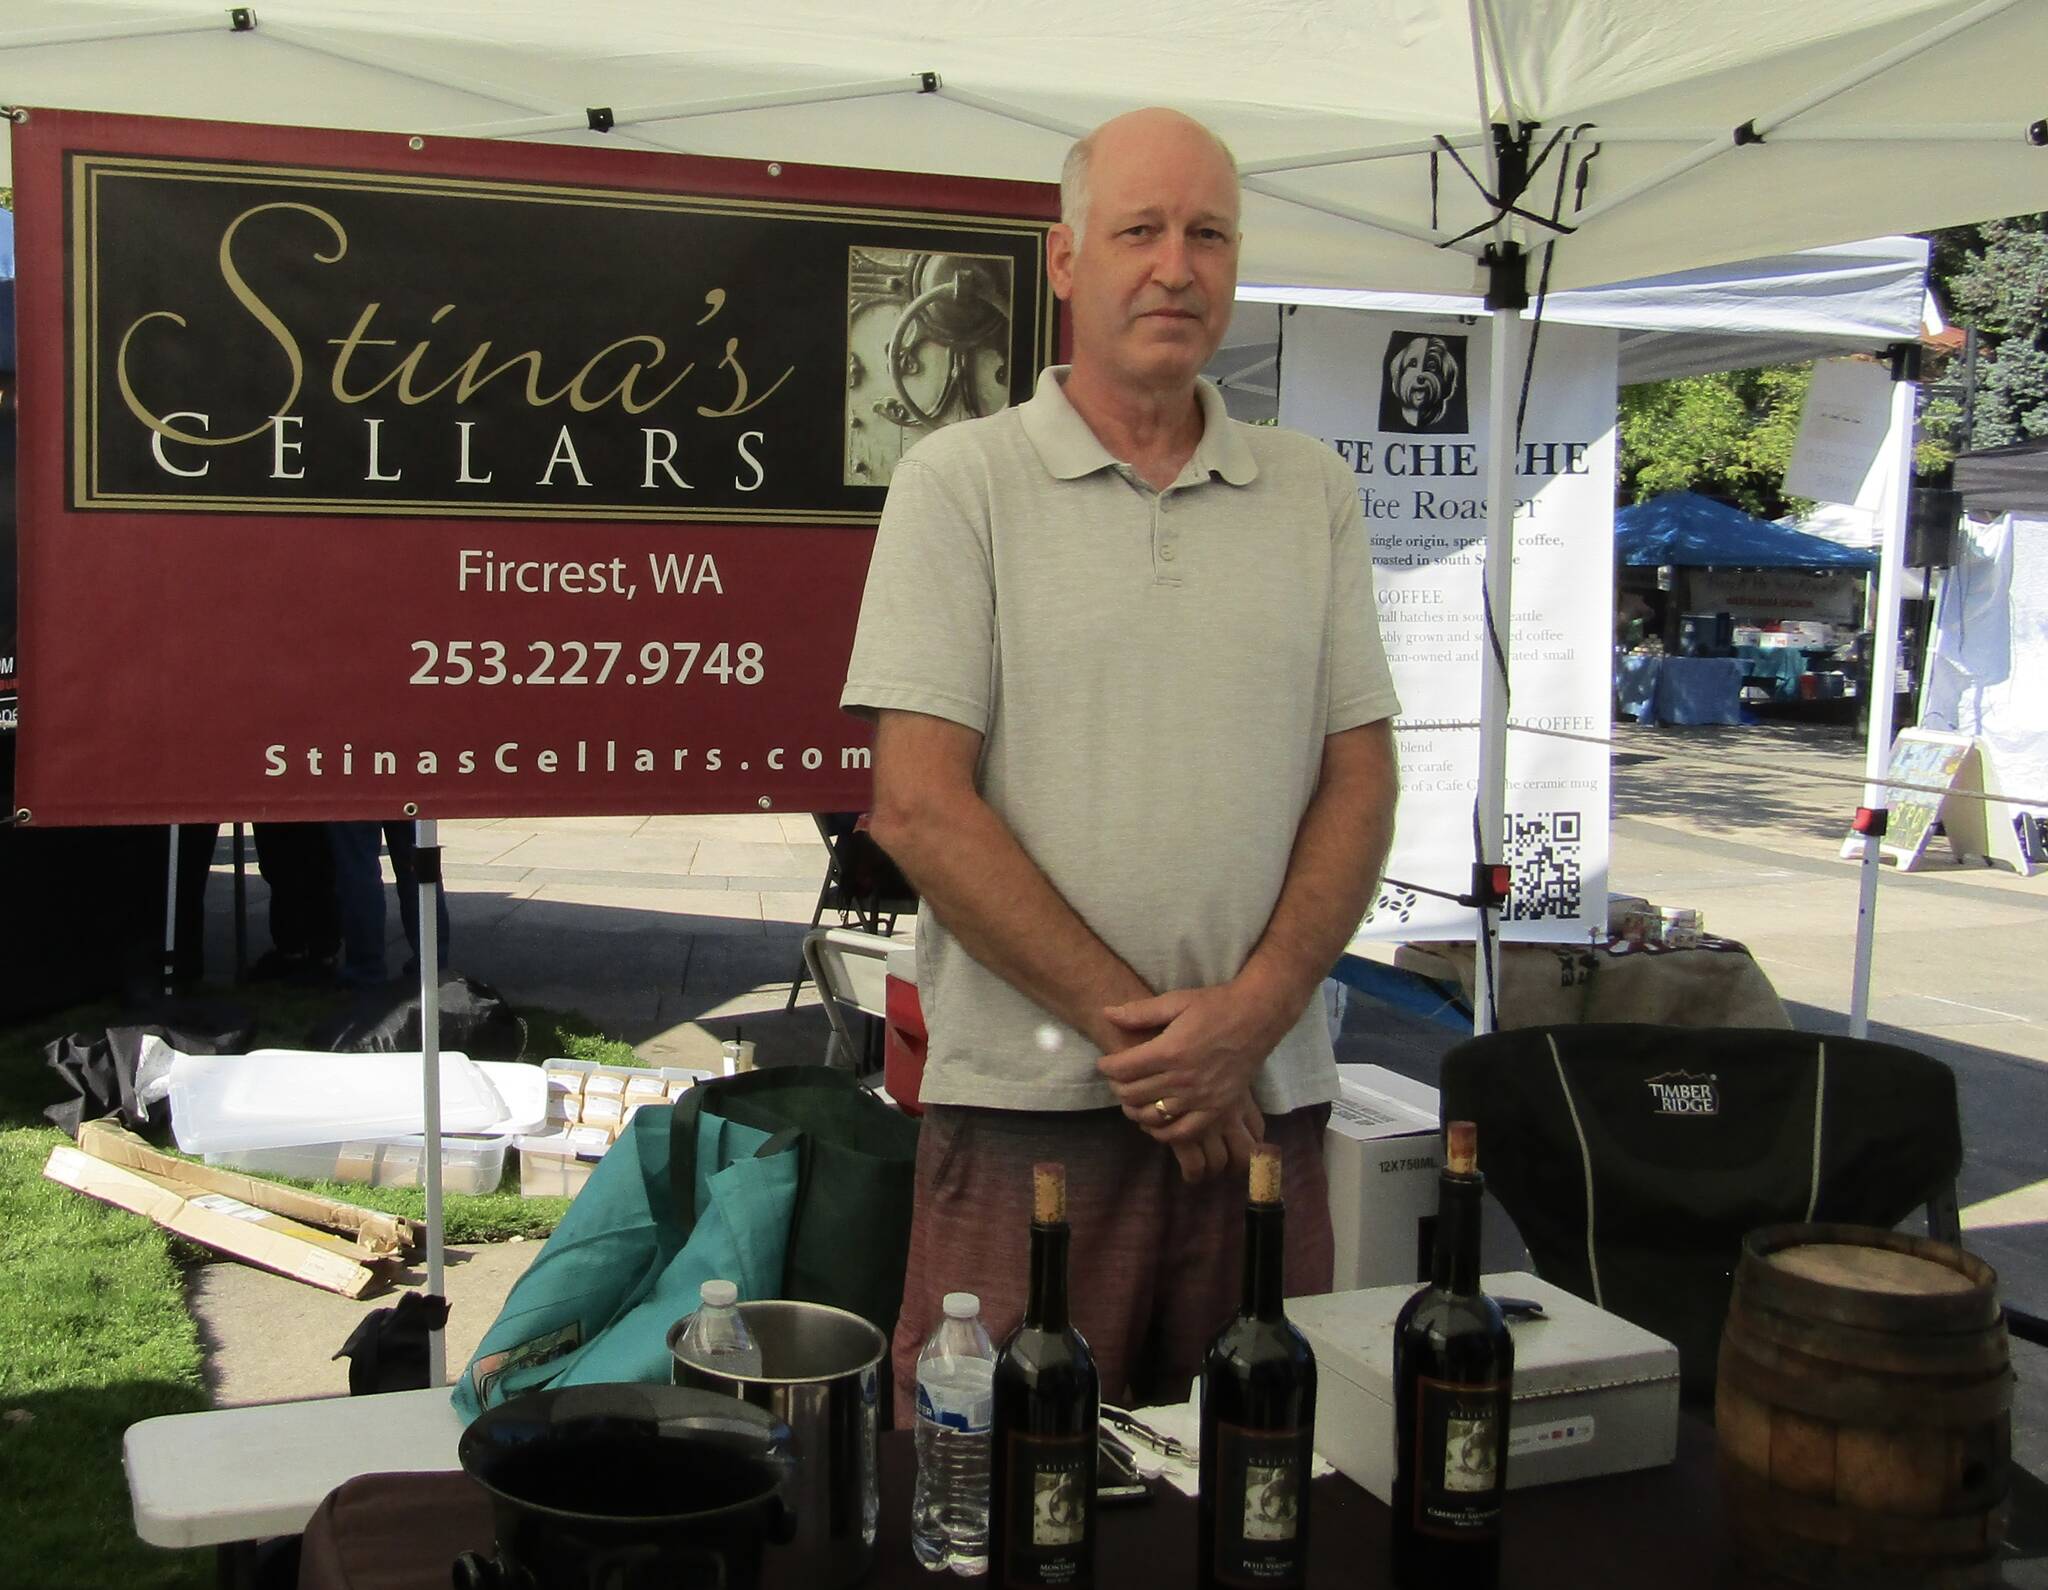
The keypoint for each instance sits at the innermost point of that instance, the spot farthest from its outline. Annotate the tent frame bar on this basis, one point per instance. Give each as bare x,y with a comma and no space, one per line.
111,32
1343,212
1959,132
313,44
1358,157
1760,128
684,109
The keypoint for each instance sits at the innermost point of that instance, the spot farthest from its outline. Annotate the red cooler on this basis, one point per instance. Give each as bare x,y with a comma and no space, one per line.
903,1042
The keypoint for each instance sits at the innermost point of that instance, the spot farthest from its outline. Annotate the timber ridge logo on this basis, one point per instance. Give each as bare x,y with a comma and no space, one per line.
1422,385
1682,1093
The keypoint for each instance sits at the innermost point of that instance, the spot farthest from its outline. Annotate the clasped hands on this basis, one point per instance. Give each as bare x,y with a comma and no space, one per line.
1185,1077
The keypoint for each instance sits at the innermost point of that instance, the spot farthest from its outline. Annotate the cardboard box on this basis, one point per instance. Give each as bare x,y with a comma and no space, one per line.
375,1235
220,1221
1381,1155
1592,1394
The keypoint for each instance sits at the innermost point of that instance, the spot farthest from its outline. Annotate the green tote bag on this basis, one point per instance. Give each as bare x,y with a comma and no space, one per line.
626,1262
856,1159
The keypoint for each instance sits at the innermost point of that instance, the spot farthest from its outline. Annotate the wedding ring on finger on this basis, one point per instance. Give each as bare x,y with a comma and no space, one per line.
1165,1115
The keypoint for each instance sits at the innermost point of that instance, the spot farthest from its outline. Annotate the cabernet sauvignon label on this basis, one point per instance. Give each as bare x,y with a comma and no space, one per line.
1261,1478
1050,1481
1458,1452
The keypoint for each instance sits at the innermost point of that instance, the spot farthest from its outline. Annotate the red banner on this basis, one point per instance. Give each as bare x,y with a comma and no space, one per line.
372,476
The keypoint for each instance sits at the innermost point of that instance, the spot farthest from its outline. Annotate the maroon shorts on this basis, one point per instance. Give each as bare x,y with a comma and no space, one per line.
1156,1264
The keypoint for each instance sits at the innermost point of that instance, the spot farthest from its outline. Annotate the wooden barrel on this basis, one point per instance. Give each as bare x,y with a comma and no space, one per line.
1863,1409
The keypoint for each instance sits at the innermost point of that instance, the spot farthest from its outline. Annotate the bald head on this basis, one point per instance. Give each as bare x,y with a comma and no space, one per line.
1136,133
1149,294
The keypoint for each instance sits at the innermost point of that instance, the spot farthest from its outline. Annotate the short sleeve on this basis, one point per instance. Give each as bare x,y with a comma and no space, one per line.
926,637
1361,685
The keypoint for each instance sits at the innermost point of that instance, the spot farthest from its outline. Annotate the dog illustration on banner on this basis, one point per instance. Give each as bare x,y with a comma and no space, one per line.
1422,390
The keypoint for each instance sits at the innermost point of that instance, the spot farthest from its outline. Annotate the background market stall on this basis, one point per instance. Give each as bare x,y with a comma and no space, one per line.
1783,595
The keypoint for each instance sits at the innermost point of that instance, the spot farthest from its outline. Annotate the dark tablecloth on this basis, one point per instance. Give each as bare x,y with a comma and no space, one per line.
1659,1528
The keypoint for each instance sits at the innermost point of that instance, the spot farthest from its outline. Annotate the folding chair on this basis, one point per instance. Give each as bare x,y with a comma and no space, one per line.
851,971
861,883
1633,1159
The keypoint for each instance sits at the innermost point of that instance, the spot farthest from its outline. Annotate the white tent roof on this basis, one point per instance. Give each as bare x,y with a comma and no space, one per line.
1874,115
1850,298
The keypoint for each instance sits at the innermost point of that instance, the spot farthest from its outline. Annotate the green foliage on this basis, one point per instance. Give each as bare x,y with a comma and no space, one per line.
1727,435
1994,278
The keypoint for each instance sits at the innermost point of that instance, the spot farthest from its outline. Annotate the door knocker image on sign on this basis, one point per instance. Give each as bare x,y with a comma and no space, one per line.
927,344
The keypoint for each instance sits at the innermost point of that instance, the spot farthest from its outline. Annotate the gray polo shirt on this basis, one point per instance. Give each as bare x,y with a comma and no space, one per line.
1153,675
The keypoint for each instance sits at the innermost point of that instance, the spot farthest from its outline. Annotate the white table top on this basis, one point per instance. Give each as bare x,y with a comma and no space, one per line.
203,1479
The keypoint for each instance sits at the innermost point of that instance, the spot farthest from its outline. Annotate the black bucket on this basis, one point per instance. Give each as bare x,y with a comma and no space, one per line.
627,1487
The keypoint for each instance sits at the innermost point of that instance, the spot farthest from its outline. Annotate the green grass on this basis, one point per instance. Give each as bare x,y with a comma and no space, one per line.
94,1330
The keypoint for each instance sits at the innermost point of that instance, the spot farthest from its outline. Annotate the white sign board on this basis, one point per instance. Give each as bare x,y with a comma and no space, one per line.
1402,398
1841,431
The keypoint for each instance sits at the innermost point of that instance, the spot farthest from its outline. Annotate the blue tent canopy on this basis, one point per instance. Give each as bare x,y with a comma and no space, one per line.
1691,531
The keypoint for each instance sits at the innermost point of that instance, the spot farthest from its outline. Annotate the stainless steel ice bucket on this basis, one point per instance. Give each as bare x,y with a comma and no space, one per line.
821,1372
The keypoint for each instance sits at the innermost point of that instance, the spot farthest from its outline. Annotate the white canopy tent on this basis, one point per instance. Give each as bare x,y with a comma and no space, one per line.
1851,298
1385,143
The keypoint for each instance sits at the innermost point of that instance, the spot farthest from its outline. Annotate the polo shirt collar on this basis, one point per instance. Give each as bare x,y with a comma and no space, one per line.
1069,449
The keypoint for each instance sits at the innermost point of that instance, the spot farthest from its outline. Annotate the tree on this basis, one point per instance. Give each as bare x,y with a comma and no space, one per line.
1994,278
1726,435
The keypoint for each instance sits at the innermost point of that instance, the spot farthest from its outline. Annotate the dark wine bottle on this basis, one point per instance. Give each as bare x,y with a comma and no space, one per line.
1258,1418
1453,1362
1042,1446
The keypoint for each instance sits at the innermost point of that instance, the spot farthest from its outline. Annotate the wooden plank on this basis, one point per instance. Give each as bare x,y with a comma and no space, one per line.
375,1234
210,1225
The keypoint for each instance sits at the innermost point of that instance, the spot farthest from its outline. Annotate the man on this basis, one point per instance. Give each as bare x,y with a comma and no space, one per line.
1133,745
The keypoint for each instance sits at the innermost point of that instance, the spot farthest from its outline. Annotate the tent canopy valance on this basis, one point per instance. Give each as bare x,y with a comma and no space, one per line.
2001,480
1684,529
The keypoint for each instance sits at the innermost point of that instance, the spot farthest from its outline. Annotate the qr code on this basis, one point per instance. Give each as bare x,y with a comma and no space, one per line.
1544,866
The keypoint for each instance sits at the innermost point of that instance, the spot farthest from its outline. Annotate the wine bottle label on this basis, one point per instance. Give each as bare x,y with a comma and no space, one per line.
1459,1476
1261,1491
1051,1478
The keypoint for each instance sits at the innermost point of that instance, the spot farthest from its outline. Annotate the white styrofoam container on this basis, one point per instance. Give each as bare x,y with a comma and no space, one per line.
468,1164
1592,1393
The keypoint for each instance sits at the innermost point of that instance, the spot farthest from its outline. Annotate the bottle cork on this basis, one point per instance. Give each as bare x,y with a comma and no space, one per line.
1461,1148
1048,1193
1265,1174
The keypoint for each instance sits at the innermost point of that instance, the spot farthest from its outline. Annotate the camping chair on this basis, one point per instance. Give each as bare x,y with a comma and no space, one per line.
851,971
861,883
1634,1159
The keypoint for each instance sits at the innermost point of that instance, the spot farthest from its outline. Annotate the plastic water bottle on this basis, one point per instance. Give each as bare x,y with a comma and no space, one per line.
717,1337
955,1403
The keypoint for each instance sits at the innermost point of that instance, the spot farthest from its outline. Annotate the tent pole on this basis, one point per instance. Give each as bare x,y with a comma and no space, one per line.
427,859
1505,356
170,977
1884,668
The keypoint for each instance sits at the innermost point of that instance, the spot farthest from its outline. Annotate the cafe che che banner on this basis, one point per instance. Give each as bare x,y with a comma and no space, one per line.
1402,399
369,476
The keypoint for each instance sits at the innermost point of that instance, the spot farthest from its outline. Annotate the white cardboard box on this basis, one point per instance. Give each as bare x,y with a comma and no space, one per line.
1593,1394
1381,1155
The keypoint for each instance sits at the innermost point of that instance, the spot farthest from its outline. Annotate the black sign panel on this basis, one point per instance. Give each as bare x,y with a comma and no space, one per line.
306,340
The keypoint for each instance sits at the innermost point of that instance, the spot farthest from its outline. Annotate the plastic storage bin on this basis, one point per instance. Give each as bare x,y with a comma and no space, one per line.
468,1164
